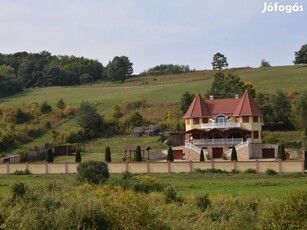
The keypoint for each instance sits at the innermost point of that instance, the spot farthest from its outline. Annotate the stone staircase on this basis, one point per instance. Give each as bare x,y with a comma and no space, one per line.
242,151
192,152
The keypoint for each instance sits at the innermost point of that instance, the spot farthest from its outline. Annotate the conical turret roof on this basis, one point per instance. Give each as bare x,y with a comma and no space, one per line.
247,106
198,108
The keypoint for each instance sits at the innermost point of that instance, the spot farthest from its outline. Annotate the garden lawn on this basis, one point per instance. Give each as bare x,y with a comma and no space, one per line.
95,150
259,185
248,185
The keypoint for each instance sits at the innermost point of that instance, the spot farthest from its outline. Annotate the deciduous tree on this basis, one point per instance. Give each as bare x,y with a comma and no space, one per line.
301,55
265,63
226,86
93,172
219,61
301,112
89,119
119,69
185,101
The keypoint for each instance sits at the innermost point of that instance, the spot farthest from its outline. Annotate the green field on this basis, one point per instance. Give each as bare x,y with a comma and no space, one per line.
186,184
164,88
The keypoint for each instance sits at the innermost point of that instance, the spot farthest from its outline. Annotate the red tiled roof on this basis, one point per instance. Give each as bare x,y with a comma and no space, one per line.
247,106
244,106
222,106
198,108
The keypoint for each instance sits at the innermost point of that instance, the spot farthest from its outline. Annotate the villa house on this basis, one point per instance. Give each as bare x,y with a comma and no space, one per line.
216,125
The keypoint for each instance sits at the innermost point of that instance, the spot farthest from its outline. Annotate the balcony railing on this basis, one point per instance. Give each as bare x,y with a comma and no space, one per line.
220,125
228,141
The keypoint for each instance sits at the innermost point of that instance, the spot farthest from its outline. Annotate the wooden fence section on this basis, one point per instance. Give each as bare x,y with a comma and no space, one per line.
160,167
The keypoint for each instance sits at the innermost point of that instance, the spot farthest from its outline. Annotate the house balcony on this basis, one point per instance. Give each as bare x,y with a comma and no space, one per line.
222,141
220,125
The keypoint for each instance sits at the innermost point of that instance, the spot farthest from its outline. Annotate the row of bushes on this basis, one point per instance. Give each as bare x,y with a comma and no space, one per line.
234,171
70,205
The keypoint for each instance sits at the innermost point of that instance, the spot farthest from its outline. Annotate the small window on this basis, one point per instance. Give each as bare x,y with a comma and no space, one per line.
255,119
195,121
221,119
205,120
256,134
188,121
245,119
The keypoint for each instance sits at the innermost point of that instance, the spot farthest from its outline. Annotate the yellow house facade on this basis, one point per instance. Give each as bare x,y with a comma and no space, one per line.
216,125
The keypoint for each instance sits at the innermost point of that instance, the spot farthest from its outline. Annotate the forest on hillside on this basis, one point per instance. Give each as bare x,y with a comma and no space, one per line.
26,70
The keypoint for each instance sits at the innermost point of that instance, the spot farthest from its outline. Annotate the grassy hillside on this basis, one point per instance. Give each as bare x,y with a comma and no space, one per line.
163,88
154,89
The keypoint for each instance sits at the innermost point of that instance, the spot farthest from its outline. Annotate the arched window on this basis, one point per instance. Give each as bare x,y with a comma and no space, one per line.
221,118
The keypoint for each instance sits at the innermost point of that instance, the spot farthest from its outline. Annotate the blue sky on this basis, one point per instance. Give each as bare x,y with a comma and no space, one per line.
153,32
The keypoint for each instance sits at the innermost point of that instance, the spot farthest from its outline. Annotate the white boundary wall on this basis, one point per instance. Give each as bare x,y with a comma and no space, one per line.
279,166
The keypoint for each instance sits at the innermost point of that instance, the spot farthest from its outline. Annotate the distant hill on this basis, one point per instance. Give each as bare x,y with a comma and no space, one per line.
164,88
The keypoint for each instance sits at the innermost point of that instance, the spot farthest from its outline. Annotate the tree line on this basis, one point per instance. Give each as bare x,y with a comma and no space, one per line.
26,70
165,69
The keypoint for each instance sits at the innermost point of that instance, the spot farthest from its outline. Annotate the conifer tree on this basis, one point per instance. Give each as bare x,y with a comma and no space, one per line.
49,156
202,156
78,156
281,152
138,153
170,156
234,156
108,154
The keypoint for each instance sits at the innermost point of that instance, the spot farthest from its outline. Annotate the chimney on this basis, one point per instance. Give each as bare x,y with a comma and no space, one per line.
211,97
237,96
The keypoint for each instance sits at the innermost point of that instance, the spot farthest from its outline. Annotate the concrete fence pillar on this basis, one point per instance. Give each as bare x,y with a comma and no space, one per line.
66,167
148,167
212,164
235,165
280,165
46,168
257,166
7,168
190,166
303,162
169,167
126,166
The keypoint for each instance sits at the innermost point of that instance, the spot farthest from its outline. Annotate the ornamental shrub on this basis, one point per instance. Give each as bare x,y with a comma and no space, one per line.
270,171
93,172
250,170
45,107
203,202
18,190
